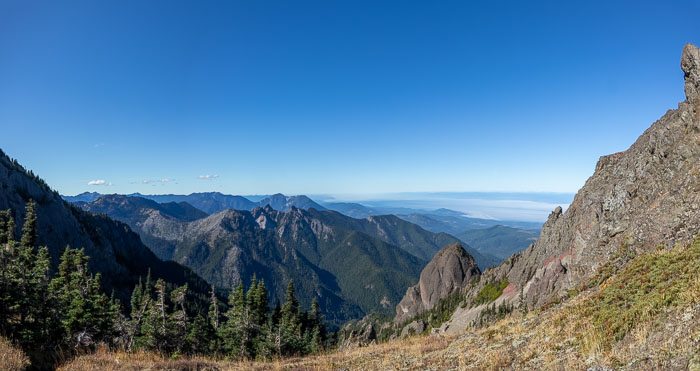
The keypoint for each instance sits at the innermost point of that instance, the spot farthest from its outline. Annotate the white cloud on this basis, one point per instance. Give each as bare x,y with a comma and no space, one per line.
162,180
100,182
207,176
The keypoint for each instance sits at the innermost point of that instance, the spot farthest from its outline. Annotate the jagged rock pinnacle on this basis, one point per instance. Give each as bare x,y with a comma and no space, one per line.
690,64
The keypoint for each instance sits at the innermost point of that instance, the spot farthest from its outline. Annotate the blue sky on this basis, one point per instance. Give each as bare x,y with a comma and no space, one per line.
333,97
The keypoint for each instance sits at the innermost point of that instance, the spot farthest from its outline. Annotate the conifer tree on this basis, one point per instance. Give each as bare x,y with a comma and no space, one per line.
316,328
140,302
201,337
29,228
86,314
291,341
178,320
7,261
231,331
260,304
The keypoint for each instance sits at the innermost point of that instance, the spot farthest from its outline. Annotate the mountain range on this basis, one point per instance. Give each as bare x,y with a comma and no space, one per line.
508,240
212,202
353,266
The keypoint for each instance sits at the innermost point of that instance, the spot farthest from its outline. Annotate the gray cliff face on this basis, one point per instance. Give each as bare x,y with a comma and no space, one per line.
451,269
644,197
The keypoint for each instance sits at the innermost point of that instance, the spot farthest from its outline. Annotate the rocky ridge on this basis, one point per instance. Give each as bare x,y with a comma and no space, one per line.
644,198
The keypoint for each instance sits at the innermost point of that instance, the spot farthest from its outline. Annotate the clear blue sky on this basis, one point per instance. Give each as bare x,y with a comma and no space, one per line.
333,96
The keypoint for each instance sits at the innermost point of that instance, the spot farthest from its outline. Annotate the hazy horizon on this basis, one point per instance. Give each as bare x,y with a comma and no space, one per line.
507,206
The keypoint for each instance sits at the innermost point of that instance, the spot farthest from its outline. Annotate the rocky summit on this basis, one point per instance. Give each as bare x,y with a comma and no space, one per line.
451,269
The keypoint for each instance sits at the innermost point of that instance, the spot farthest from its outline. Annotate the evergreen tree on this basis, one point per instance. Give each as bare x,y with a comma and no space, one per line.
290,309
29,228
28,280
86,314
7,263
201,336
291,341
231,331
154,326
140,303
276,315
178,320
316,328
260,304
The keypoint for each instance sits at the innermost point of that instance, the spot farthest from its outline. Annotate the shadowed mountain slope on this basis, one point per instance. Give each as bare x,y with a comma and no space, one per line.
114,250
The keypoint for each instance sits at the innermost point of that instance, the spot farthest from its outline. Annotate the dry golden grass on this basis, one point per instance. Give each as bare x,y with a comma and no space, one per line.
12,358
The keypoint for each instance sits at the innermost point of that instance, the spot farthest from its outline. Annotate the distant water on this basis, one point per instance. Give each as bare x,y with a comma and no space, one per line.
533,207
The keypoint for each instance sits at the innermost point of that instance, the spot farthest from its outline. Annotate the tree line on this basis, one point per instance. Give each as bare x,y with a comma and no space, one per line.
68,311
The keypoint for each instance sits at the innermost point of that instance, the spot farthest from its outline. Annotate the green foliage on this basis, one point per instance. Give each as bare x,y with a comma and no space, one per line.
84,313
250,331
645,288
68,311
490,292
438,314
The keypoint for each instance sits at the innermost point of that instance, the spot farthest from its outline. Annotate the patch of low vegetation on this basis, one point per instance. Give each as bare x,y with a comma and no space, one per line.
645,288
494,313
490,292
439,314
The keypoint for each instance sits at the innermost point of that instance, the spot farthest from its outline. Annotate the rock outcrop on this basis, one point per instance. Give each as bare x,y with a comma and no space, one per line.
690,64
637,200
451,269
